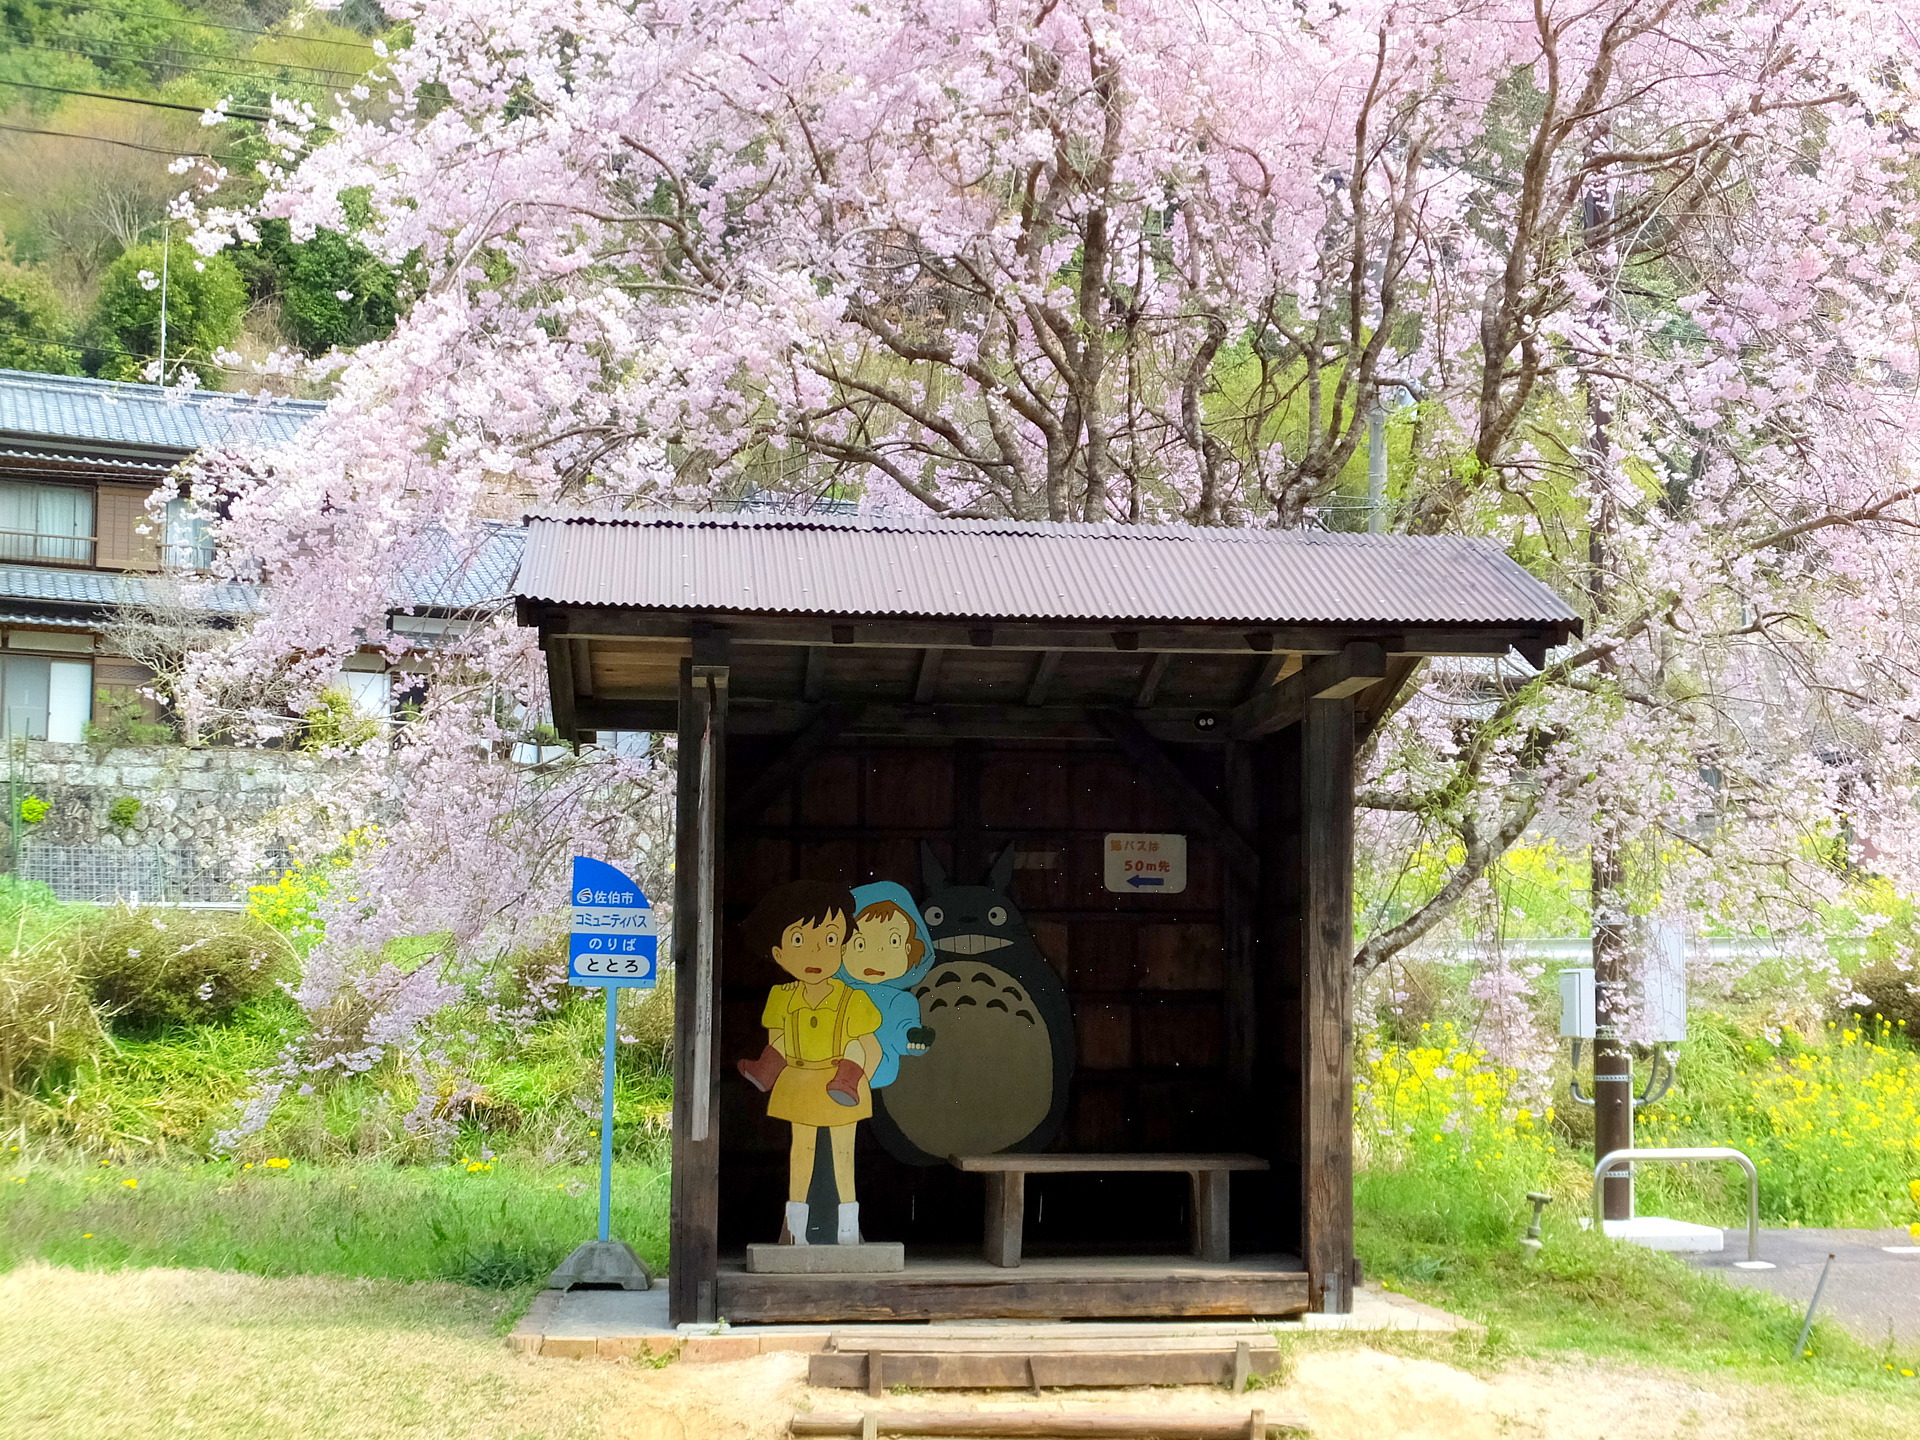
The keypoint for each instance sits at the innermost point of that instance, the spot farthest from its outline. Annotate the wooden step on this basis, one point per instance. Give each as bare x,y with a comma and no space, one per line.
1088,1425
874,1370
1072,1341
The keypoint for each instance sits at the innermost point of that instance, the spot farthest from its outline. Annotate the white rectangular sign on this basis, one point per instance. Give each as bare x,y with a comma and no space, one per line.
1146,864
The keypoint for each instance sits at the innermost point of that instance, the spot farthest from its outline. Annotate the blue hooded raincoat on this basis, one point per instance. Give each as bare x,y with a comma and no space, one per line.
899,1007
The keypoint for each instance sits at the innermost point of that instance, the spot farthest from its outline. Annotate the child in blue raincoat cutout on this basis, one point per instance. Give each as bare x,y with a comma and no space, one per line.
887,953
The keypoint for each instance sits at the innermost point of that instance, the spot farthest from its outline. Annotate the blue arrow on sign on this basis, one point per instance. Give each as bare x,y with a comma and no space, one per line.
1138,880
612,939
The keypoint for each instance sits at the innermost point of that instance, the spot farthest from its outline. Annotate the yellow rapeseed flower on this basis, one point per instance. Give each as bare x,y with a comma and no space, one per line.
278,1163
131,1184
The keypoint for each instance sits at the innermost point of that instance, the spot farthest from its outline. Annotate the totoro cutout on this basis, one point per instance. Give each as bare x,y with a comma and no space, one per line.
996,1078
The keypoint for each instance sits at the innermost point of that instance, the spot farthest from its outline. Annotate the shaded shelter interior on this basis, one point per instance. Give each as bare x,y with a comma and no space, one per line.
1147,977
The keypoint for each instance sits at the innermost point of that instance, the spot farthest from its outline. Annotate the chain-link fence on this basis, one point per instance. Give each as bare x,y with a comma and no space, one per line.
142,874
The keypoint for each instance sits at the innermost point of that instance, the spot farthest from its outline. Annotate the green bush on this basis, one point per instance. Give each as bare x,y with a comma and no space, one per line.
309,277
123,812
148,967
121,717
206,300
334,724
1892,997
35,332
33,809
47,1025
291,904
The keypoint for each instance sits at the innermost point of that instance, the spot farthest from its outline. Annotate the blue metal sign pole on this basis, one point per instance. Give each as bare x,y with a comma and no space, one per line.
606,1117
612,944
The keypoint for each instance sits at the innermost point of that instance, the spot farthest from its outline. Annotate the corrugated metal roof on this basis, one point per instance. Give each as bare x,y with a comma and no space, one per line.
1012,570
150,417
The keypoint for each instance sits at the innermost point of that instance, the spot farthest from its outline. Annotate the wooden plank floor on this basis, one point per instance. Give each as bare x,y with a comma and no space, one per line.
936,1288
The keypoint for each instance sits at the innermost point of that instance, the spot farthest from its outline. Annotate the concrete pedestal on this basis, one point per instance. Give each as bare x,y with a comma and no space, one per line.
1655,1232
873,1258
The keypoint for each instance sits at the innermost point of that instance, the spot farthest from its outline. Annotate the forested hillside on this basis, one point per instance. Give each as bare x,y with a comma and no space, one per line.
98,99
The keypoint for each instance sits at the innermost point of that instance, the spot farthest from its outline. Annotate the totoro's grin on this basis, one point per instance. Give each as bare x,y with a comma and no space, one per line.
971,944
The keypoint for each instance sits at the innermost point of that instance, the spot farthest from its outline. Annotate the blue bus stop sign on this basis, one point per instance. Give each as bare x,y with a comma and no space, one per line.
612,939
612,944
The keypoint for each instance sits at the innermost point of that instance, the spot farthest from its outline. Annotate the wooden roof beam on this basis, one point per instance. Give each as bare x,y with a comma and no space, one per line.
1359,665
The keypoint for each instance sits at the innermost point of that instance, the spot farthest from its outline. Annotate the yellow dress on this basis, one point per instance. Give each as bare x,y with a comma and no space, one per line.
813,1038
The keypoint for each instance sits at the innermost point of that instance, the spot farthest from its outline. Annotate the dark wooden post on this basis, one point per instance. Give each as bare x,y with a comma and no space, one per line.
1240,916
1326,778
693,1263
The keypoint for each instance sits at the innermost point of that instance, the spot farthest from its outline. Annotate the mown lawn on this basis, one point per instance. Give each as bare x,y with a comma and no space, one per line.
167,1354
498,1225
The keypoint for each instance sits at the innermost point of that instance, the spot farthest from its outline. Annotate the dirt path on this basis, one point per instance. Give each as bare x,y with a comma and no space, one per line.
1355,1393
145,1354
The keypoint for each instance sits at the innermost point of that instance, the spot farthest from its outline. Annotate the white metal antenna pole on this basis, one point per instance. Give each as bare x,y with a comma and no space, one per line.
166,252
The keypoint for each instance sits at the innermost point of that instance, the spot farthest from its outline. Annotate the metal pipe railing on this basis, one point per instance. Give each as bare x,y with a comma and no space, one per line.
1703,1152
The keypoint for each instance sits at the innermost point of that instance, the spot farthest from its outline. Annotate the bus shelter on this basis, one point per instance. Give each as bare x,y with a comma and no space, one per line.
1012,918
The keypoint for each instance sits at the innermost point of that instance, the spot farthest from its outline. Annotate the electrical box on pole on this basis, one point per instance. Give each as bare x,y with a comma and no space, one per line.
1576,1003
1663,984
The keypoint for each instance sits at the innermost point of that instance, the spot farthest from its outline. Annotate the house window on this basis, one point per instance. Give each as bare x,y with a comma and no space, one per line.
46,522
188,544
45,699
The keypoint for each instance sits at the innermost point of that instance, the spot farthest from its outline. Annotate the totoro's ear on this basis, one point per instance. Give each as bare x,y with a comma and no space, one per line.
1001,875
932,873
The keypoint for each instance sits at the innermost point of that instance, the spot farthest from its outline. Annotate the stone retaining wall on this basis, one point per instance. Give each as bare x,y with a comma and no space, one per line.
197,808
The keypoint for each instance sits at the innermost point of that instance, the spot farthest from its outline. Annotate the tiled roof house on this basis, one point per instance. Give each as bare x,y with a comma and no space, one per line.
79,459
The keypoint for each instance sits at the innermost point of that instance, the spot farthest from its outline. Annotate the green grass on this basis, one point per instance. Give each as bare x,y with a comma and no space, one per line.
500,1227
1442,1238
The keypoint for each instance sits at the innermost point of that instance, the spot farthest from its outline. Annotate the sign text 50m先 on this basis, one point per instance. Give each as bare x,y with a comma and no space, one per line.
1144,864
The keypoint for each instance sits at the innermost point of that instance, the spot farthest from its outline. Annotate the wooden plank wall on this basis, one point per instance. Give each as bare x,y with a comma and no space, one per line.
1166,1061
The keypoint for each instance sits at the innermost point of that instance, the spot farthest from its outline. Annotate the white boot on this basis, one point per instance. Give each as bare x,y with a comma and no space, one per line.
797,1221
849,1228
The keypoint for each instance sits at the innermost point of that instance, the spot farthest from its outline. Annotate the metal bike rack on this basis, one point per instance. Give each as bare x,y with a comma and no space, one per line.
1704,1152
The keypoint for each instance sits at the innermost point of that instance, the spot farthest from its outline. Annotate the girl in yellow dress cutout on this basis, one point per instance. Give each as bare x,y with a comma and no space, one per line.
820,1046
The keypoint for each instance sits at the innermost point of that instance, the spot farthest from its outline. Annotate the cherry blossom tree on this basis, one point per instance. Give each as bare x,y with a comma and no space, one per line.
1628,284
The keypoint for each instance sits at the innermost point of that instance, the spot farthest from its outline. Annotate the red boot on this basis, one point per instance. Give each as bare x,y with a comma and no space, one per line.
844,1087
763,1072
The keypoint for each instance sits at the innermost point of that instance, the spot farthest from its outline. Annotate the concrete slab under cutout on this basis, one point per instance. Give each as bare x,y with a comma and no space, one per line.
1656,1232
876,1257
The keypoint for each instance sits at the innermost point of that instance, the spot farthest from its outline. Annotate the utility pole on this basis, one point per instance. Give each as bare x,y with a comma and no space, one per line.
1376,467
1612,1058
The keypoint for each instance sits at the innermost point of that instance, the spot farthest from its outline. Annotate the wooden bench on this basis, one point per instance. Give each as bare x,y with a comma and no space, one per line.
1007,1192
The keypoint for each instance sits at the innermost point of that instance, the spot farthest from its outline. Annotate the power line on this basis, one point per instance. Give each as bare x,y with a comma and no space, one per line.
78,47
237,29
137,100
125,144
199,70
